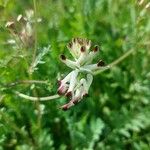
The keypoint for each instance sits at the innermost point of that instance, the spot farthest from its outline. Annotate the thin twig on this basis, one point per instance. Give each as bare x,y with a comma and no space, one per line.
120,59
25,82
36,98
35,36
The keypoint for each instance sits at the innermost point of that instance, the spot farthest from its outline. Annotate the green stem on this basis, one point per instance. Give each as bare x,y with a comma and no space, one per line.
36,98
24,82
35,35
114,63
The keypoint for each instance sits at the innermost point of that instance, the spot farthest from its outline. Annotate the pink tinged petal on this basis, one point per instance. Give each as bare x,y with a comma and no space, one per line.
67,106
64,107
73,80
63,84
62,89
68,62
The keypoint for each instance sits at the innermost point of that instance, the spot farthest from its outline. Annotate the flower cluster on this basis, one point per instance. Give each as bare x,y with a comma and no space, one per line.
72,86
22,28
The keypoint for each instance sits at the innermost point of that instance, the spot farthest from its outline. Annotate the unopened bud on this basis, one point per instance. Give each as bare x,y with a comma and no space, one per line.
100,63
83,49
63,57
96,48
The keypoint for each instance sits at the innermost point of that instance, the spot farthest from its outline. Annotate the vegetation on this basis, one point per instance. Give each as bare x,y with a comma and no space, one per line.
33,34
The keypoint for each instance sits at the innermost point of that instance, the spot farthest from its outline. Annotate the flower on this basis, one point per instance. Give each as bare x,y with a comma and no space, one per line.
79,92
72,86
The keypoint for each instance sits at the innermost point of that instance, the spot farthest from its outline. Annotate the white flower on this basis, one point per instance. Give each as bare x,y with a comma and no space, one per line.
72,86
80,91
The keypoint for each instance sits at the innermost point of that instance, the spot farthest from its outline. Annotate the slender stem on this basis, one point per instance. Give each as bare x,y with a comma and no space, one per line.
120,59
37,98
35,35
25,82
35,28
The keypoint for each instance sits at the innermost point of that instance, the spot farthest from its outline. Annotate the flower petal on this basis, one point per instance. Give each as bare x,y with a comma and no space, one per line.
62,89
92,55
83,55
92,67
73,80
67,106
66,79
68,62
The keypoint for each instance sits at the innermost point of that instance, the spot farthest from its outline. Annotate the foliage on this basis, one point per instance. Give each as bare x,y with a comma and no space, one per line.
116,115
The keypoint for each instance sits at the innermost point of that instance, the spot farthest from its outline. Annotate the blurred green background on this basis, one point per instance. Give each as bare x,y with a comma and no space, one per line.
115,116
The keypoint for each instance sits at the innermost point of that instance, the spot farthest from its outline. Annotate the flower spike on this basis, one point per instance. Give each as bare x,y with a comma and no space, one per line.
72,85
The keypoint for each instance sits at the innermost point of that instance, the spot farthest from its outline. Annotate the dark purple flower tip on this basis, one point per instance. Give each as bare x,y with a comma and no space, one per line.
60,92
86,95
62,57
64,107
70,44
69,94
75,101
100,63
83,48
96,48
